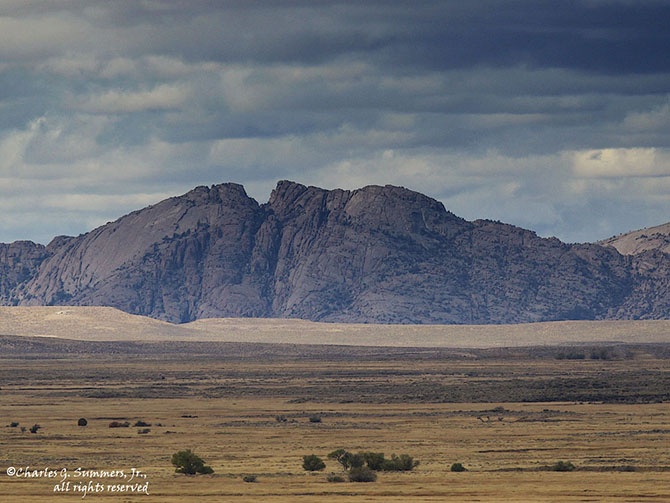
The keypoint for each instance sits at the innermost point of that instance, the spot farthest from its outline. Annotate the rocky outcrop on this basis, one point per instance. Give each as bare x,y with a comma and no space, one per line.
648,253
184,258
376,254
636,242
361,255
19,262
520,277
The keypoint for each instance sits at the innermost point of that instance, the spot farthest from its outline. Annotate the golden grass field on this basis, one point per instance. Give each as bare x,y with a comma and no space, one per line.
505,414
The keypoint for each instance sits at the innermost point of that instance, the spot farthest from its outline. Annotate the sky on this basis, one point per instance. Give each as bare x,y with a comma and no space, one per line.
550,115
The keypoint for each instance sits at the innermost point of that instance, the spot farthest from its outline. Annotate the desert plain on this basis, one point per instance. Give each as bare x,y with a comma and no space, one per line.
506,405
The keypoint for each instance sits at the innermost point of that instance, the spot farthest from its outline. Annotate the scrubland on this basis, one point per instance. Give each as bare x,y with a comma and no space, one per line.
508,415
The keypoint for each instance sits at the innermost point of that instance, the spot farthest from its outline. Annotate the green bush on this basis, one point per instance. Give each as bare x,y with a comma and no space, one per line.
402,463
313,463
338,455
374,460
356,461
347,459
362,474
190,463
250,478
562,466
458,467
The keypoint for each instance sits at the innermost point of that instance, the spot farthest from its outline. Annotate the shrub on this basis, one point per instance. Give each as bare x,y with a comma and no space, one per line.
315,419
458,467
144,431
347,459
562,466
13,424
250,478
34,428
313,463
332,477
189,463
356,461
362,474
82,421
117,424
571,355
402,463
374,460
140,424
337,455
601,354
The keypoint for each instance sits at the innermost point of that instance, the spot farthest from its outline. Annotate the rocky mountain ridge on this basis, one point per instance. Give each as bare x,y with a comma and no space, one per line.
639,241
376,254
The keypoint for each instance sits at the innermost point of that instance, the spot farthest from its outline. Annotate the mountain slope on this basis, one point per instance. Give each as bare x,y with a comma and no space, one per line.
648,252
376,254
178,260
633,243
19,262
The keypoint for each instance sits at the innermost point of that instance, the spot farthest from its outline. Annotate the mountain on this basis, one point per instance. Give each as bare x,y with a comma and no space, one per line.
636,242
376,254
648,250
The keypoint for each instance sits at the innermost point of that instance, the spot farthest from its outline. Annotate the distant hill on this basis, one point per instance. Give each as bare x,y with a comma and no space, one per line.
372,255
97,324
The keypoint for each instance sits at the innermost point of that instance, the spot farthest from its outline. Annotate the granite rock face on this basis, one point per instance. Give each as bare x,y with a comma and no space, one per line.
376,254
184,258
648,252
19,261
640,241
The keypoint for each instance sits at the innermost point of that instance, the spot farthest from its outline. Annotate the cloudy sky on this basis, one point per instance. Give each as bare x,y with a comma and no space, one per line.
550,115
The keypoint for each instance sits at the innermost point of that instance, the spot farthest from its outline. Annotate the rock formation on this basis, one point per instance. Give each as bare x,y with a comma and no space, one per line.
376,254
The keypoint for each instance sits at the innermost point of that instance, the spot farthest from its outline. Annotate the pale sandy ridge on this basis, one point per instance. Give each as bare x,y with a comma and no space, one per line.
649,238
108,324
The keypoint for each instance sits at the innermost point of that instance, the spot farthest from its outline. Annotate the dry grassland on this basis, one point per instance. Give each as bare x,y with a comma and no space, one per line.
245,409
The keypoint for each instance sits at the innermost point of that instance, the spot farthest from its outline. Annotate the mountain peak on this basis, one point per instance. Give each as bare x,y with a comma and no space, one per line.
383,254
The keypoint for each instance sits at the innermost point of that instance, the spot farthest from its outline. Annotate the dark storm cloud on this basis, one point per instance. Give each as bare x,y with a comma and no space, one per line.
595,36
591,36
612,37
551,115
